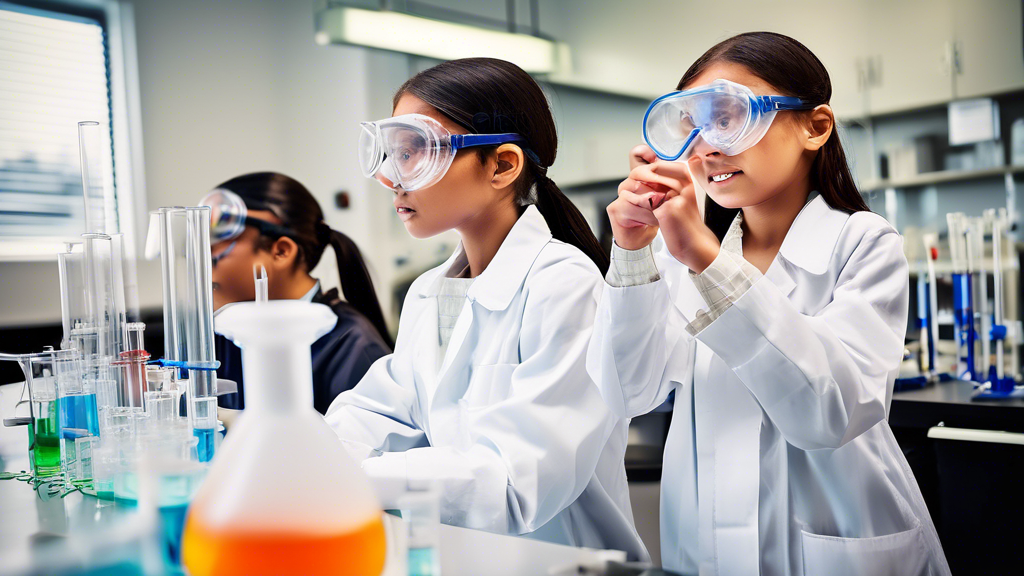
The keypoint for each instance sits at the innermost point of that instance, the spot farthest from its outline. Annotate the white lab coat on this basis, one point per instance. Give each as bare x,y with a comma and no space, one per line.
510,424
779,458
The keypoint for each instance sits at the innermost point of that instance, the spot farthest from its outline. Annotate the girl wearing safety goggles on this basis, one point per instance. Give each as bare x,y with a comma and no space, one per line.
487,393
271,221
775,319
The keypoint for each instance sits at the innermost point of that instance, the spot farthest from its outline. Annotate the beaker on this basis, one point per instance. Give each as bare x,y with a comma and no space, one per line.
79,417
44,425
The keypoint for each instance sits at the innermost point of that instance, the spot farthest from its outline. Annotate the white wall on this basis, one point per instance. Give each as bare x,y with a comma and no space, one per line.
619,46
236,86
230,87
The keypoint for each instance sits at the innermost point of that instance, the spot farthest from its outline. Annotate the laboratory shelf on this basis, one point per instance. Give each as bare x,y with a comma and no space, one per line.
939,177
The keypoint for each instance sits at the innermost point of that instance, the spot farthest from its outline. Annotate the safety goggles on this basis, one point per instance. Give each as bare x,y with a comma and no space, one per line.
229,216
414,151
726,115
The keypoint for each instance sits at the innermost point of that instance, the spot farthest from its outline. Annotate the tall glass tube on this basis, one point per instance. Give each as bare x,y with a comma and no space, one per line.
199,344
975,240
173,228
73,305
96,154
96,333
188,313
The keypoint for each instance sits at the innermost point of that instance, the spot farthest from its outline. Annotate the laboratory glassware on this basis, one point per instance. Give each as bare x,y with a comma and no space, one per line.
283,496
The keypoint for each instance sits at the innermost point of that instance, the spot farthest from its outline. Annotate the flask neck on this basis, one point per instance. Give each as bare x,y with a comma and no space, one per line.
278,378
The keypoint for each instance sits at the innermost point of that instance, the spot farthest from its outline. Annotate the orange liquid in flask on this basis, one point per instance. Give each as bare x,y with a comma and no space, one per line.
226,552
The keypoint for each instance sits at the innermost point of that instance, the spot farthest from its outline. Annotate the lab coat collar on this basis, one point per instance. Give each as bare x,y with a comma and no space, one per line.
813,236
500,281
312,294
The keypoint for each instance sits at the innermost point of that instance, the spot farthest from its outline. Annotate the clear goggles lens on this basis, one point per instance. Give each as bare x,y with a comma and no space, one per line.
412,151
227,214
724,114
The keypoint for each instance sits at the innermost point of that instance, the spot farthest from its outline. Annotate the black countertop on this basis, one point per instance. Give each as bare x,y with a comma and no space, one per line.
946,402
951,403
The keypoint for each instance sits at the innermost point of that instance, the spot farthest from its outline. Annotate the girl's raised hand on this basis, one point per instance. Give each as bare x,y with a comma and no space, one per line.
687,237
632,214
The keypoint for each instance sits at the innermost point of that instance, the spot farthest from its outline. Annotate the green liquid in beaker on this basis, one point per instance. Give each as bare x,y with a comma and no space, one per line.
44,439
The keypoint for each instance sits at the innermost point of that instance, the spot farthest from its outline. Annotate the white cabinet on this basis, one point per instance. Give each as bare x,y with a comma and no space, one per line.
923,52
905,49
989,47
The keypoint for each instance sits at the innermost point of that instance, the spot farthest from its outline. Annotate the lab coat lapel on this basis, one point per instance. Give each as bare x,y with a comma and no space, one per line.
425,348
493,290
446,416
812,238
454,354
424,360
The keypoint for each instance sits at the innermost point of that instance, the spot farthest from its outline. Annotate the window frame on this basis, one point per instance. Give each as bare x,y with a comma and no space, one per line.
118,20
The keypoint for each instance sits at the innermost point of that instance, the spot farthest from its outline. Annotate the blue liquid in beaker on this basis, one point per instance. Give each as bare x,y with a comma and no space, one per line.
173,520
79,423
206,437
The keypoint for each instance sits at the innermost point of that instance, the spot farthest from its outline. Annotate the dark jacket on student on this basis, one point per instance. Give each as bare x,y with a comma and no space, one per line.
340,358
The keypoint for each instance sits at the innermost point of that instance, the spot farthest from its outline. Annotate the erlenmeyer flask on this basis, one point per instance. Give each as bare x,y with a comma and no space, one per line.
282,496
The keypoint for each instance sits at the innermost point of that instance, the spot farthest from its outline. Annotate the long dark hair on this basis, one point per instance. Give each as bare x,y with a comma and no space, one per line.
485,95
299,212
789,66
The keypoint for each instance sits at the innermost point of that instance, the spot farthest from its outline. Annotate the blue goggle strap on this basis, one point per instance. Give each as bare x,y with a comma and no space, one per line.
770,103
469,140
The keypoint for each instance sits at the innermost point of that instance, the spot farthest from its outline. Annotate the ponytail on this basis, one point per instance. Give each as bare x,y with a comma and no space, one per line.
356,284
565,220
299,211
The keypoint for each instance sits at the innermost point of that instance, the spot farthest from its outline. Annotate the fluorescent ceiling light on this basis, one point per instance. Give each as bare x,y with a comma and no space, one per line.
409,34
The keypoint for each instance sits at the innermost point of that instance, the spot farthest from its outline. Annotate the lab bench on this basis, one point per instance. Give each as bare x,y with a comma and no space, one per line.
968,458
30,522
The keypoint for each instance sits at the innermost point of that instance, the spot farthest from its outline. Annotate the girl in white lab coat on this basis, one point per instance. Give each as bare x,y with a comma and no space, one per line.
487,391
776,321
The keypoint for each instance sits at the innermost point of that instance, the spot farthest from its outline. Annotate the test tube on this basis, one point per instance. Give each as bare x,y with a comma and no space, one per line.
259,276
975,237
998,314
132,366
963,315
